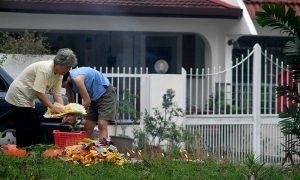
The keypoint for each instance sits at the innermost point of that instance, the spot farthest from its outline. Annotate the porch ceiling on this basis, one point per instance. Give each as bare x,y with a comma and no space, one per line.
156,8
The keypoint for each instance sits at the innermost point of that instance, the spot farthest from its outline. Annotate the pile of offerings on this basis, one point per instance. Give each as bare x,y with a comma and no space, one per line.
89,152
86,152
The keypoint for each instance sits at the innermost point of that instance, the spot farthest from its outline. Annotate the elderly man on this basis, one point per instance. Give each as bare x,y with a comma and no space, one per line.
36,80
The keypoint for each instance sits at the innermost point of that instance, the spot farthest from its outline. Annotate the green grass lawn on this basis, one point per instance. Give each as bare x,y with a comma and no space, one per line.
35,166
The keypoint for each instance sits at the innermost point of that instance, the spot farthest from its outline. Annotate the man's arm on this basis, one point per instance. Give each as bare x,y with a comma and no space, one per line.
79,81
58,98
70,94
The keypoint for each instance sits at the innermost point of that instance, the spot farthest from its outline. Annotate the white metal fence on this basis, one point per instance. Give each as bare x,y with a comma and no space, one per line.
230,91
234,109
126,80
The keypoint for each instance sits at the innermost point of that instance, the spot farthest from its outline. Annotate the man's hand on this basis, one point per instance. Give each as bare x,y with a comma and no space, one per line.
44,99
57,110
68,120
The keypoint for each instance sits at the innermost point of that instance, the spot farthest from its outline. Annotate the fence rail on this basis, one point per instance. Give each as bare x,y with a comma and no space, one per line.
230,91
232,142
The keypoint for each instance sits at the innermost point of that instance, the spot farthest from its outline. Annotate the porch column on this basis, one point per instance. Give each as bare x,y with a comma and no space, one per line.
256,99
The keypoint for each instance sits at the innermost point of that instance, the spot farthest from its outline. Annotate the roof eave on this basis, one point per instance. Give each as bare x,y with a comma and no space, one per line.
92,9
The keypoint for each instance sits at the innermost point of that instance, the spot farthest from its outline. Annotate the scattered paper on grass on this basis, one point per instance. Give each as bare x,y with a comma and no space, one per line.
89,152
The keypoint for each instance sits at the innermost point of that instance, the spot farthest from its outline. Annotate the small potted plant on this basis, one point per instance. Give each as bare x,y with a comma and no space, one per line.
126,112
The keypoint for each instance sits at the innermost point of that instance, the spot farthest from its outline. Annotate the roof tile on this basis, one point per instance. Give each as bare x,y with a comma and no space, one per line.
255,5
162,3
178,8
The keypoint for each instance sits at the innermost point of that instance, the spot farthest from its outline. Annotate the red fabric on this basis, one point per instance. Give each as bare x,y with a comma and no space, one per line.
52,153
282,100
12,150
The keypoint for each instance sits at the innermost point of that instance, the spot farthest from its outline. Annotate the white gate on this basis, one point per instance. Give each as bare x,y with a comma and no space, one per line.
235,110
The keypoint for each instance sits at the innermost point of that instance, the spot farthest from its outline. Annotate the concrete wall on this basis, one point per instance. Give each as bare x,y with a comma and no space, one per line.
154,87
15,64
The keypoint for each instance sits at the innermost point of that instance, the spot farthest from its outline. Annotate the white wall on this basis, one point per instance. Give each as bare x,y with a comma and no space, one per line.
268,31
15,64
153,87
156,85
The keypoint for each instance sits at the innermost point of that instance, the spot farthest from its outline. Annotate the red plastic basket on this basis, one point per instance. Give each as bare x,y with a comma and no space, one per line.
63,139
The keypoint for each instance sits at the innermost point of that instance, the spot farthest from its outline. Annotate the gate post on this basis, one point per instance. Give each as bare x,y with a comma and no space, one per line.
256,105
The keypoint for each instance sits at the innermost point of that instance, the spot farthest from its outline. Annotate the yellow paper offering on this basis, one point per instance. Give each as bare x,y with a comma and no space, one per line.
72,109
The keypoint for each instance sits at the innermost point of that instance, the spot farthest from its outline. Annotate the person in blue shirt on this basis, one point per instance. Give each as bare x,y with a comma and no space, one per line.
99,98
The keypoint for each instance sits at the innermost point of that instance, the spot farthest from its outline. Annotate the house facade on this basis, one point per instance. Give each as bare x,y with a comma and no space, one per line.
135,33
130,33
185,34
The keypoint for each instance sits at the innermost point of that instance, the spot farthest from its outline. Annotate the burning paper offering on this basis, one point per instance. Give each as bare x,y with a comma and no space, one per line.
72,109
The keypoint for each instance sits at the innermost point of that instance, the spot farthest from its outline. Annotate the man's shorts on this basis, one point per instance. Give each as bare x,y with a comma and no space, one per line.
104,108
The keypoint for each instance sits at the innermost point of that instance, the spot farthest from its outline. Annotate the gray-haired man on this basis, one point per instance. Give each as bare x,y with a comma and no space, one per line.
35,80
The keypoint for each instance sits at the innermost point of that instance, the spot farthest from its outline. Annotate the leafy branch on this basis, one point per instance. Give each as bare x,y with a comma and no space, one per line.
160,125
276,16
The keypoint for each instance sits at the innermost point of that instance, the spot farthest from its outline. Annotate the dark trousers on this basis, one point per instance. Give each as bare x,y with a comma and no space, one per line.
27,125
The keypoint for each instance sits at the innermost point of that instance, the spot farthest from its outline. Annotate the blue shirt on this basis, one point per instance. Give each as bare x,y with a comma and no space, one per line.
95,82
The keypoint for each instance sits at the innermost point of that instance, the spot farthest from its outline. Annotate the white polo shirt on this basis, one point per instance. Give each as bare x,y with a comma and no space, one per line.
38,77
